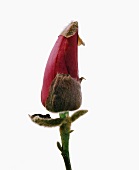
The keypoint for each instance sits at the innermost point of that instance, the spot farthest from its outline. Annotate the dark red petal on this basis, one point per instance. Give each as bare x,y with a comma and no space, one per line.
72,56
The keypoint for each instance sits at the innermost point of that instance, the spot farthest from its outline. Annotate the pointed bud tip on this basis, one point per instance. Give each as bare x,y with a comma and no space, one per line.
70,30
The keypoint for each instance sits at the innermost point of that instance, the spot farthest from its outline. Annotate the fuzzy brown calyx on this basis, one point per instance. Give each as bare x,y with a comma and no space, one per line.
64,95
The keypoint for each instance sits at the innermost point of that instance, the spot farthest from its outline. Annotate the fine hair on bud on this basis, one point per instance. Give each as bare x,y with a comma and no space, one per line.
64,94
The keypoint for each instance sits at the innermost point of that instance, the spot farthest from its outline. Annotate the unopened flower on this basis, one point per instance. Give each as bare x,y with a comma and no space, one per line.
61,89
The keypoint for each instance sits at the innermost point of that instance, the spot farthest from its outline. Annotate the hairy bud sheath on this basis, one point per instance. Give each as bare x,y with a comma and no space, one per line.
65,94
61,85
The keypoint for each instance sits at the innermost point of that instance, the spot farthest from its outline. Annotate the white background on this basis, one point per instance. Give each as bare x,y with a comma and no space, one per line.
107,137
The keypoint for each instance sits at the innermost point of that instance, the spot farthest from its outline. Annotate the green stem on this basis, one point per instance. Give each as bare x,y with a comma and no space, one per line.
65,134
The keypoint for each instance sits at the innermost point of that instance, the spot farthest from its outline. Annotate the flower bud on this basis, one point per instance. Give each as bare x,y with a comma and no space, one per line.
61,73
